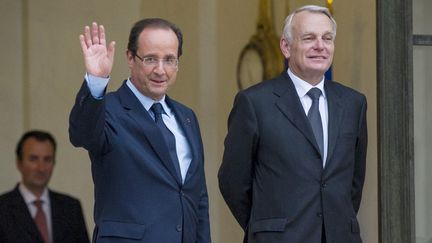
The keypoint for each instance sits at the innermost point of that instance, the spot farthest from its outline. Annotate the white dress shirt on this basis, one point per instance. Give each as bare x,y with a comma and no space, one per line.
302,87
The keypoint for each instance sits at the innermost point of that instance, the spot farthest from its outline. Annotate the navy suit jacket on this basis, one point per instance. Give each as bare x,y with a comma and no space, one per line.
272,176
139,196
17,225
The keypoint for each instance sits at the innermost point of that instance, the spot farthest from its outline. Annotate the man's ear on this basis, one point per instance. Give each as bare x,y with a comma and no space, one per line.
130,58
18,164
284,46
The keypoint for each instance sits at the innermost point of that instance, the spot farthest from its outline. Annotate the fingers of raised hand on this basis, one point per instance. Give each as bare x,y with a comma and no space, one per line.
95,34
83,43
111,50
102,35
87,37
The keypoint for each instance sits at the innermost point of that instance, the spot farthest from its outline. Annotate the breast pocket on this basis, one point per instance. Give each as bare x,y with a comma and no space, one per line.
347,140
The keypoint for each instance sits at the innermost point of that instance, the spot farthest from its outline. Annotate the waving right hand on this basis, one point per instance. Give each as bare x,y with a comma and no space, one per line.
98,59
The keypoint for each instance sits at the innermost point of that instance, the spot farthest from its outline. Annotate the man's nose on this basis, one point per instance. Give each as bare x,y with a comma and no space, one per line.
159,68
41,165
319,44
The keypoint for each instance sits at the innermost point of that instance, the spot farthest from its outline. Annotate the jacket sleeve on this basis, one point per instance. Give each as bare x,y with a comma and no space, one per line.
236,172
86,120
360,158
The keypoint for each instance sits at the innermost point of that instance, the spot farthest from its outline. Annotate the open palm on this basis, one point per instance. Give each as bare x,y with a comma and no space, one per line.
98,58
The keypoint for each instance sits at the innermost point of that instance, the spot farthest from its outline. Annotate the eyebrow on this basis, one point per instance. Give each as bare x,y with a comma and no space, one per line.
315,34
168,56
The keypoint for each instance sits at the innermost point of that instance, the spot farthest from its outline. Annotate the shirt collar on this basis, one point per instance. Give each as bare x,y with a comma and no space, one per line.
146,101
303,87
29,197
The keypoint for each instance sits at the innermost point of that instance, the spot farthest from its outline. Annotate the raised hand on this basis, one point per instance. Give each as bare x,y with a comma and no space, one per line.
98,59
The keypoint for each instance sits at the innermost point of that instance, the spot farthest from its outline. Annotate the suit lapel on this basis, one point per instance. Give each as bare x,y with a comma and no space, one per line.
289,104
186,124
335,112
143,119
58,220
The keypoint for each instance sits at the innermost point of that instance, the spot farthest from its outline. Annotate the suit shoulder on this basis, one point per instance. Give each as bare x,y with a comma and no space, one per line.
346,91
179,105
9,200
12,194
261,86
265,87
6,194
7,197
63,198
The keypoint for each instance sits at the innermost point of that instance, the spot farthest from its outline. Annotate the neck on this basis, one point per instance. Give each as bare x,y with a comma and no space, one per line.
311,79
36,191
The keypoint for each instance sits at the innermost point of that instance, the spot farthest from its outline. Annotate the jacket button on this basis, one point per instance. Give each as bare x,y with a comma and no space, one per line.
319,215
324,184
179,228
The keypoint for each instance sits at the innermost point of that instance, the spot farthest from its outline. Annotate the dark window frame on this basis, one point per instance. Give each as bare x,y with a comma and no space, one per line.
395,119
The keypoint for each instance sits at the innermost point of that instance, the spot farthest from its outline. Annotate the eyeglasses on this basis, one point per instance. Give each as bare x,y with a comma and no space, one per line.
170,63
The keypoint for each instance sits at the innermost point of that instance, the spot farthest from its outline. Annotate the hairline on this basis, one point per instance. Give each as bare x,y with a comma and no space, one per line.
288,27
40,136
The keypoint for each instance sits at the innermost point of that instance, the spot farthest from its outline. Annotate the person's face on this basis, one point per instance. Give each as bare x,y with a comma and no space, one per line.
153,81
37,164
311,51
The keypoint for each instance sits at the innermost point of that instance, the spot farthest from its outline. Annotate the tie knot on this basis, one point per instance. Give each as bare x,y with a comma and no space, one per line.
314,93
157,108
157,111
38,203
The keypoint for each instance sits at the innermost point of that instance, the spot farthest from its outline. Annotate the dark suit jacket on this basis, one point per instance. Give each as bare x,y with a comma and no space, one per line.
139,196
272,177
17,225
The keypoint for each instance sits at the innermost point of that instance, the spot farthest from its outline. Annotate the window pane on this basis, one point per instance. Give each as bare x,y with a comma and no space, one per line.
423,142
422,17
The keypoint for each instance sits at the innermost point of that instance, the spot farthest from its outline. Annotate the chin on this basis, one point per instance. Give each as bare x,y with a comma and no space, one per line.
319,69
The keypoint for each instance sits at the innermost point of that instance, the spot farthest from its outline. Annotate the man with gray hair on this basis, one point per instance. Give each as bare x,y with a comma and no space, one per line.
295,154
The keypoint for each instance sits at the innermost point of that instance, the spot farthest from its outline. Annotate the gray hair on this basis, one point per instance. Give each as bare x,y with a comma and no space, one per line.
287,30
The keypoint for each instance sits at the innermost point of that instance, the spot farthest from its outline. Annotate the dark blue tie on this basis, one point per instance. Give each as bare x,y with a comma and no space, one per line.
315,118
167,134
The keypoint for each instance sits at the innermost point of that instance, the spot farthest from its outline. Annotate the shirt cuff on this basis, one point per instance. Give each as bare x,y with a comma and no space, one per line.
96,85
